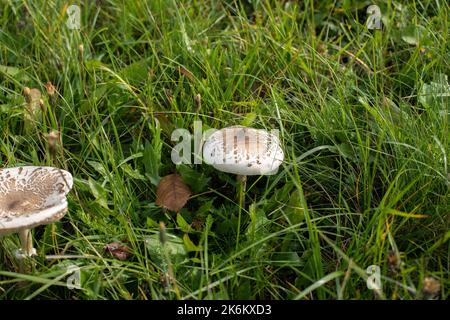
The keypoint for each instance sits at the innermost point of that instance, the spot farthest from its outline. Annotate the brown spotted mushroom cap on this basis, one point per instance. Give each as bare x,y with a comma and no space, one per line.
243,151
32,196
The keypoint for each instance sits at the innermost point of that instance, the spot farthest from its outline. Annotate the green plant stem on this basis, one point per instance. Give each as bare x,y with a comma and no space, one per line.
242,188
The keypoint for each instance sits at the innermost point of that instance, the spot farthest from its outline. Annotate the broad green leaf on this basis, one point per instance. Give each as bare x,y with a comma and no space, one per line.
288,258
434,94
173,247
414,34
195,179
196,260
152,223
182,224
346,150
135,73
204,208
15,73
99,192
92,65
133,173
294,211
98,167
190,246
256,228
249,119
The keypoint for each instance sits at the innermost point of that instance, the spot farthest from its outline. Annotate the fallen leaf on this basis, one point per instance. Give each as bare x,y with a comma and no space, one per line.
118,250
172,193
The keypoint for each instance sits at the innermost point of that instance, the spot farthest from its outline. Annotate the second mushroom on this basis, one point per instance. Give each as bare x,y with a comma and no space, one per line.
243,151
31,196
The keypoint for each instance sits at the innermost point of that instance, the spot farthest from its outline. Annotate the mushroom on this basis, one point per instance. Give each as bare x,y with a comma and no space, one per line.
31,196
243,151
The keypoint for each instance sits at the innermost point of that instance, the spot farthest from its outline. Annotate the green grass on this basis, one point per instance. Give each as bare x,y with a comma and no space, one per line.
362,114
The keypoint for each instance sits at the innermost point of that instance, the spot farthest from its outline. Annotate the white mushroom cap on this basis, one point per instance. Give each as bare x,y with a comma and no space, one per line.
243,151
32,196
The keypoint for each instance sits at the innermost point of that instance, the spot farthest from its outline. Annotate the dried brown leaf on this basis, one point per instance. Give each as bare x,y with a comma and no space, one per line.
118,250
172,193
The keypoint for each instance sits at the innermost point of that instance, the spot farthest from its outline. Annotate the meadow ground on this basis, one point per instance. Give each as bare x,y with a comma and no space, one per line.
362,116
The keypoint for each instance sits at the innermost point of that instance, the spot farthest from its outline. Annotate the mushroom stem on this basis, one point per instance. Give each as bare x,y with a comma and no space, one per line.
27,250
26,242
242,180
